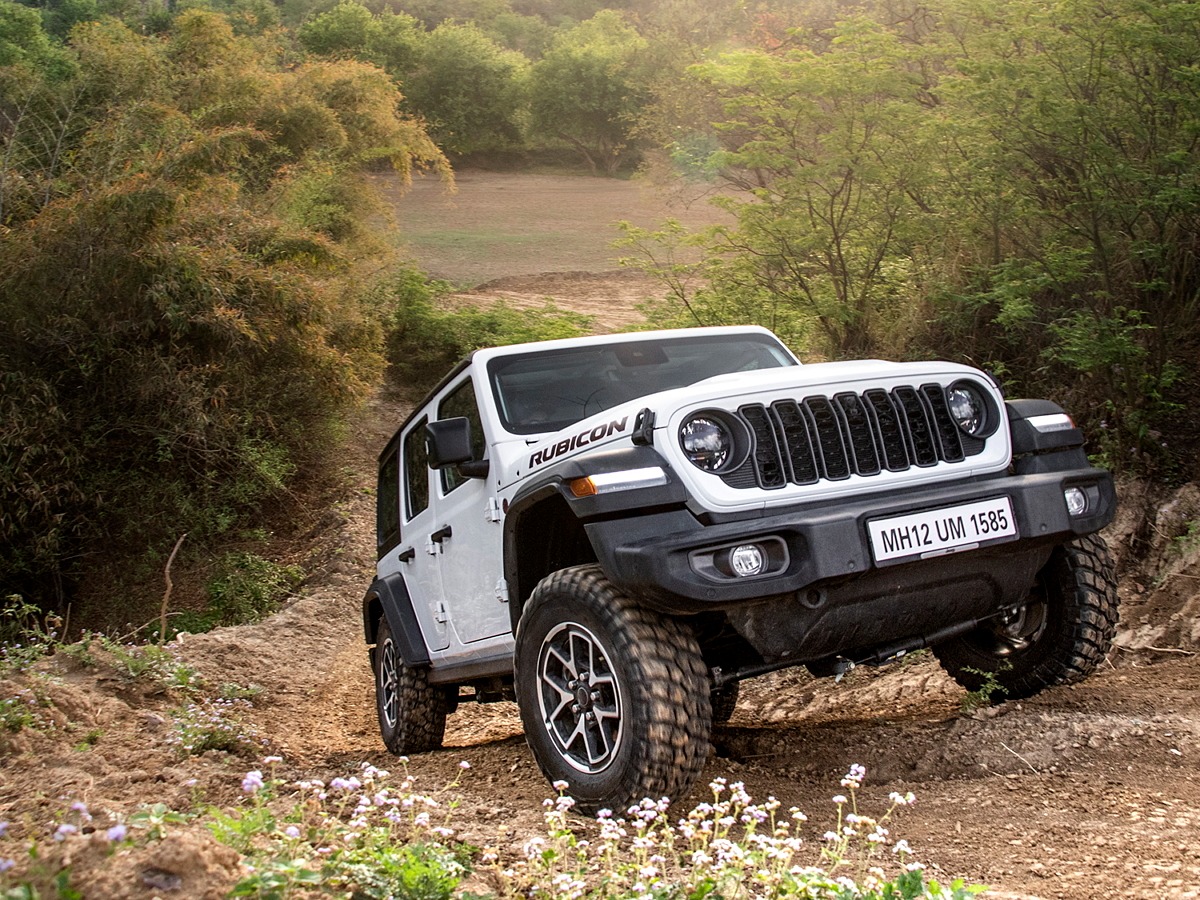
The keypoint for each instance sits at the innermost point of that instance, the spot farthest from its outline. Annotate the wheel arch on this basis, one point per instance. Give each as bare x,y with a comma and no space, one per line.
542,534
388,596
544,525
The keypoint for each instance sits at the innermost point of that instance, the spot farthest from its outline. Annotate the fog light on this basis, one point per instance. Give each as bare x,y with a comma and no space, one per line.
747,560
1077,502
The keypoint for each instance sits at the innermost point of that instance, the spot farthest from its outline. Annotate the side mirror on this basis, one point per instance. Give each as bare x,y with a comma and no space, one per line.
448,443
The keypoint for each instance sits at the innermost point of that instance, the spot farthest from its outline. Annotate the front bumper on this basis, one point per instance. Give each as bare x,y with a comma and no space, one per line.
654,557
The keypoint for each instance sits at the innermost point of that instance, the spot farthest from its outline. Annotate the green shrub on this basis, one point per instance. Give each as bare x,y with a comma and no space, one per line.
425,340
249,587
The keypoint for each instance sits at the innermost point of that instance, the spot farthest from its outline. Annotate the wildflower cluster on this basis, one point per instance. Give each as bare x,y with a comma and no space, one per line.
730,847
20,710
363,834
25,636
45,854
148,661
214,724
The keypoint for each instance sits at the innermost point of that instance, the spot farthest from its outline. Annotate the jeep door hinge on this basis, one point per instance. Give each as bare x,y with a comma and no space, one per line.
493,513
502,591
440,615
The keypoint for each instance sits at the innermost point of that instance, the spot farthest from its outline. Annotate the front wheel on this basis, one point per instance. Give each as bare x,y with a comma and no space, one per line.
614,697
412,712
1059,636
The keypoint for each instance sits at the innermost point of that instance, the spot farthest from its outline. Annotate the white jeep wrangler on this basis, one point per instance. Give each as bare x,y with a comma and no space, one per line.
615,530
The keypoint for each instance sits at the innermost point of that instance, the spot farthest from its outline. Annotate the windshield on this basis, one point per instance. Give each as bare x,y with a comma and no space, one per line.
547,390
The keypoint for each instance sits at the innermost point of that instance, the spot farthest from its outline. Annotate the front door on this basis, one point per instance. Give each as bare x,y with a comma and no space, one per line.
472,556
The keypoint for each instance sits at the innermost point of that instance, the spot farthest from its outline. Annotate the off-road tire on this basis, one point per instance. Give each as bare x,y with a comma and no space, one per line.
614,697
1060,636
724,701
412,712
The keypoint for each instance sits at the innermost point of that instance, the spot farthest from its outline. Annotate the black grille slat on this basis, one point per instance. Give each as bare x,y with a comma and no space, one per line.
828,429
768,464
858,428
797,441
947,432
922,444
888,428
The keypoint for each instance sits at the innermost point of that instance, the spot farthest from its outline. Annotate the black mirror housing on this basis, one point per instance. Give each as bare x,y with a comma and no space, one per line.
448,442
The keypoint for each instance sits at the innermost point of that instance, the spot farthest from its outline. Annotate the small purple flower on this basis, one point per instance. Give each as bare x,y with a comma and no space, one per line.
6,864
3,828
292,831
116,833
80,807
64,830
252,782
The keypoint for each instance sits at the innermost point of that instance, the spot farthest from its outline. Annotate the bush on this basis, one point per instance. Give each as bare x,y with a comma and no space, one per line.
425,341
249,588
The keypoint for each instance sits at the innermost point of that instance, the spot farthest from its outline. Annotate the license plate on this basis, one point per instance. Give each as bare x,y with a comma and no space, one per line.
937,532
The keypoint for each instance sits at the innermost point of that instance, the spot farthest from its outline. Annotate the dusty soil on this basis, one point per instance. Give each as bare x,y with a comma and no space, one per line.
1084,792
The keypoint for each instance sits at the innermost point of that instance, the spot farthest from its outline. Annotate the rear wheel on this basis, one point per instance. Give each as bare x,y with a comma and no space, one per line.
1060,635
614,697
412,713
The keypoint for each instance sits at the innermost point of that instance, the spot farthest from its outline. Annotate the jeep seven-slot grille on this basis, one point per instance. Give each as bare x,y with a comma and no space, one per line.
820,438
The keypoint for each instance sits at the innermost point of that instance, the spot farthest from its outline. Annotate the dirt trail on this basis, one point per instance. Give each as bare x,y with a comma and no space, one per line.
1084,792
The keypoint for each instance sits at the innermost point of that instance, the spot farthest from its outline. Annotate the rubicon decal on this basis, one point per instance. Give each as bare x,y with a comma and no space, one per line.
580,440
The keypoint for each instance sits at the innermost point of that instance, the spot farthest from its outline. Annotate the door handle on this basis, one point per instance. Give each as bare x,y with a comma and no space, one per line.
408,554
441,534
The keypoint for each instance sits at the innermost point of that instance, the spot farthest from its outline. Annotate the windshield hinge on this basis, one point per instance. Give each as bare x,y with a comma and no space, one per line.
502,591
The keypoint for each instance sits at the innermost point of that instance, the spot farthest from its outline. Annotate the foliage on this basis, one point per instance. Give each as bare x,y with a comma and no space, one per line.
357,834
248,587
208,723
988,691
375,836
376,839
590,86
469,89
185,319
727,848
19,711
425,341
26,634
389,40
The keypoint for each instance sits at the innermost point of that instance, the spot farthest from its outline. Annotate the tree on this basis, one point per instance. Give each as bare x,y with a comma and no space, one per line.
185,320
824,151
1087,196
469,90
590,86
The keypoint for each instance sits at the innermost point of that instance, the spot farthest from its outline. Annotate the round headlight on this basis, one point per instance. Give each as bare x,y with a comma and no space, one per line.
707,442
968,408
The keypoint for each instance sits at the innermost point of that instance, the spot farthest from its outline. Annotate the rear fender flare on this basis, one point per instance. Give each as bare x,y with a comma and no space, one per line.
388,596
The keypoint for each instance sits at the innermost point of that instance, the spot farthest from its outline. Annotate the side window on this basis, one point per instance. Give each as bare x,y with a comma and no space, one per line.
416,471
387,503
461,402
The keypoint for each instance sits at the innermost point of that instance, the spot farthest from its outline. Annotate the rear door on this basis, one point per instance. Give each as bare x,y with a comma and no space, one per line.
417,552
